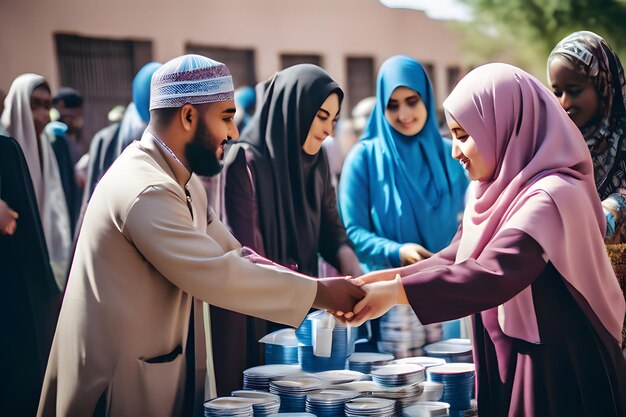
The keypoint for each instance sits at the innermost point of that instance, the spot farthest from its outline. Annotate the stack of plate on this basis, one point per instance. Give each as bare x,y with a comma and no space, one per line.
340,376
434,332
452,350
292,415
401,333
365,407
427,409
425,361
458,381
263,403
398,375
280,346
328,403
276,354
405,395
363,361
293,392
227,407
304,333
433,391
259,377
337,358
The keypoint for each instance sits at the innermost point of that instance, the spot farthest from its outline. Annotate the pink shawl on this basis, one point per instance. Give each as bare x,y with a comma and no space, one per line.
521,129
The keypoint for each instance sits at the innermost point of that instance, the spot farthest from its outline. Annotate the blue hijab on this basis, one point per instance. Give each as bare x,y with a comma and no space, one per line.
421,189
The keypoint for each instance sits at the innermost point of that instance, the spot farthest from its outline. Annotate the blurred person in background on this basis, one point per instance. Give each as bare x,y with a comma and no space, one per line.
245,100
31,294
68,104
3,131
116,114
30,297
26,113
587,77
64,132
361,114
108,143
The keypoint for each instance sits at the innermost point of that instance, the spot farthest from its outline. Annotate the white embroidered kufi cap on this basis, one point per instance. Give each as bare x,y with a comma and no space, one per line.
193,79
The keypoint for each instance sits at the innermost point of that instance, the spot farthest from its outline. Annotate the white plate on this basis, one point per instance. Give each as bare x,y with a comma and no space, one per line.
397,370
272,370
257,396
370,357
340,376
452,368
369,403
425,361
427,409
332,395
228,403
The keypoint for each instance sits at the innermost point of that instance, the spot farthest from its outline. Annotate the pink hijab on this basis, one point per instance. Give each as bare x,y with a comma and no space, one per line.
520,128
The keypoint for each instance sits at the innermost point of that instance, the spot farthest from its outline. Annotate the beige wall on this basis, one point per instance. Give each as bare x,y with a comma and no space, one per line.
332,28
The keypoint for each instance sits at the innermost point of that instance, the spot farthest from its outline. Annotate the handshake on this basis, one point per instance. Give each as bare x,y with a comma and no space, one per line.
356,300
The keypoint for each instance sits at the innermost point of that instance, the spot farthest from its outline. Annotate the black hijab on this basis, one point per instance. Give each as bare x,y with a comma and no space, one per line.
290,184
30,299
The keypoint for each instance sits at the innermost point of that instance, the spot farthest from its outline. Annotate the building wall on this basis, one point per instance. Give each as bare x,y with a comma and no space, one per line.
335,29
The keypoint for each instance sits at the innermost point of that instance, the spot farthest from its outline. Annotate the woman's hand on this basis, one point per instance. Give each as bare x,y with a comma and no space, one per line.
411,253
376,276
8,218
379,298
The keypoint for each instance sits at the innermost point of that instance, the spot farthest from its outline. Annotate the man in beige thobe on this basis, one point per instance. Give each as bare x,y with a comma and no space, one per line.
130,338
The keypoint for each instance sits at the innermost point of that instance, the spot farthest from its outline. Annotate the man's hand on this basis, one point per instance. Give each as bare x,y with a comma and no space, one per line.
8,219
337,295
381,296
411,253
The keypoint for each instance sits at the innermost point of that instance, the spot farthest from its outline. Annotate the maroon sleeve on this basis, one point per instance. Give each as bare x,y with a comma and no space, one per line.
241,205
508,264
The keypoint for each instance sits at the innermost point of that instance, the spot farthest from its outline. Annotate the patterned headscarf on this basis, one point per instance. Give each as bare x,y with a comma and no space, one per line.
193,79
591,57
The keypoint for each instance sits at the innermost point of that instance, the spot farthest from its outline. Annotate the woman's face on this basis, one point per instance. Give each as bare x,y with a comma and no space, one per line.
40,103
577,94
406,111
465,150
323,124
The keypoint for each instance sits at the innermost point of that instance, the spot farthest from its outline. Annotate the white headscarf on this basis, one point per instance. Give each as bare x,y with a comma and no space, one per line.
17,118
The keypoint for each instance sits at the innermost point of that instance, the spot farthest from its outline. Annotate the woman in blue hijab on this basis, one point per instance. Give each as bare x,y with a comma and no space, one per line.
401,194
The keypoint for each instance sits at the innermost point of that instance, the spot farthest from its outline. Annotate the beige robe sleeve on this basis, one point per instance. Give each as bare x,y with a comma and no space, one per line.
218,231
160,226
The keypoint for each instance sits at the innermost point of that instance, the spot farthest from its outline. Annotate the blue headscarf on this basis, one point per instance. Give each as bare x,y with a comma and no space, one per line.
421,188
141,90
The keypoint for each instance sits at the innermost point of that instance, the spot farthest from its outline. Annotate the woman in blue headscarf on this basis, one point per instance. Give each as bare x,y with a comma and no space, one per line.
401,193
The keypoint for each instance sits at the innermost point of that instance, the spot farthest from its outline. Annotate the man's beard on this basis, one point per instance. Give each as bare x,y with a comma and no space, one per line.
202,160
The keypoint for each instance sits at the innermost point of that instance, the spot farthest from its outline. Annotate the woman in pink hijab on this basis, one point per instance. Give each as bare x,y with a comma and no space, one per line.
528,261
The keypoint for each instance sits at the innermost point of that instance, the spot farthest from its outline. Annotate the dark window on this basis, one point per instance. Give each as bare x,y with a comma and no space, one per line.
240,62
454,75
289,60
360,77
430,70
102,70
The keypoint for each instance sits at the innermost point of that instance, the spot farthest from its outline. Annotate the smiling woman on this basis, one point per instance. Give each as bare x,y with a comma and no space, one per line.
401,193
279,200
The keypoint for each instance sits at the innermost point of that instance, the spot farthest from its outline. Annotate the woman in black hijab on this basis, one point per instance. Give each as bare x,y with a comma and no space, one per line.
30,298
279,200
